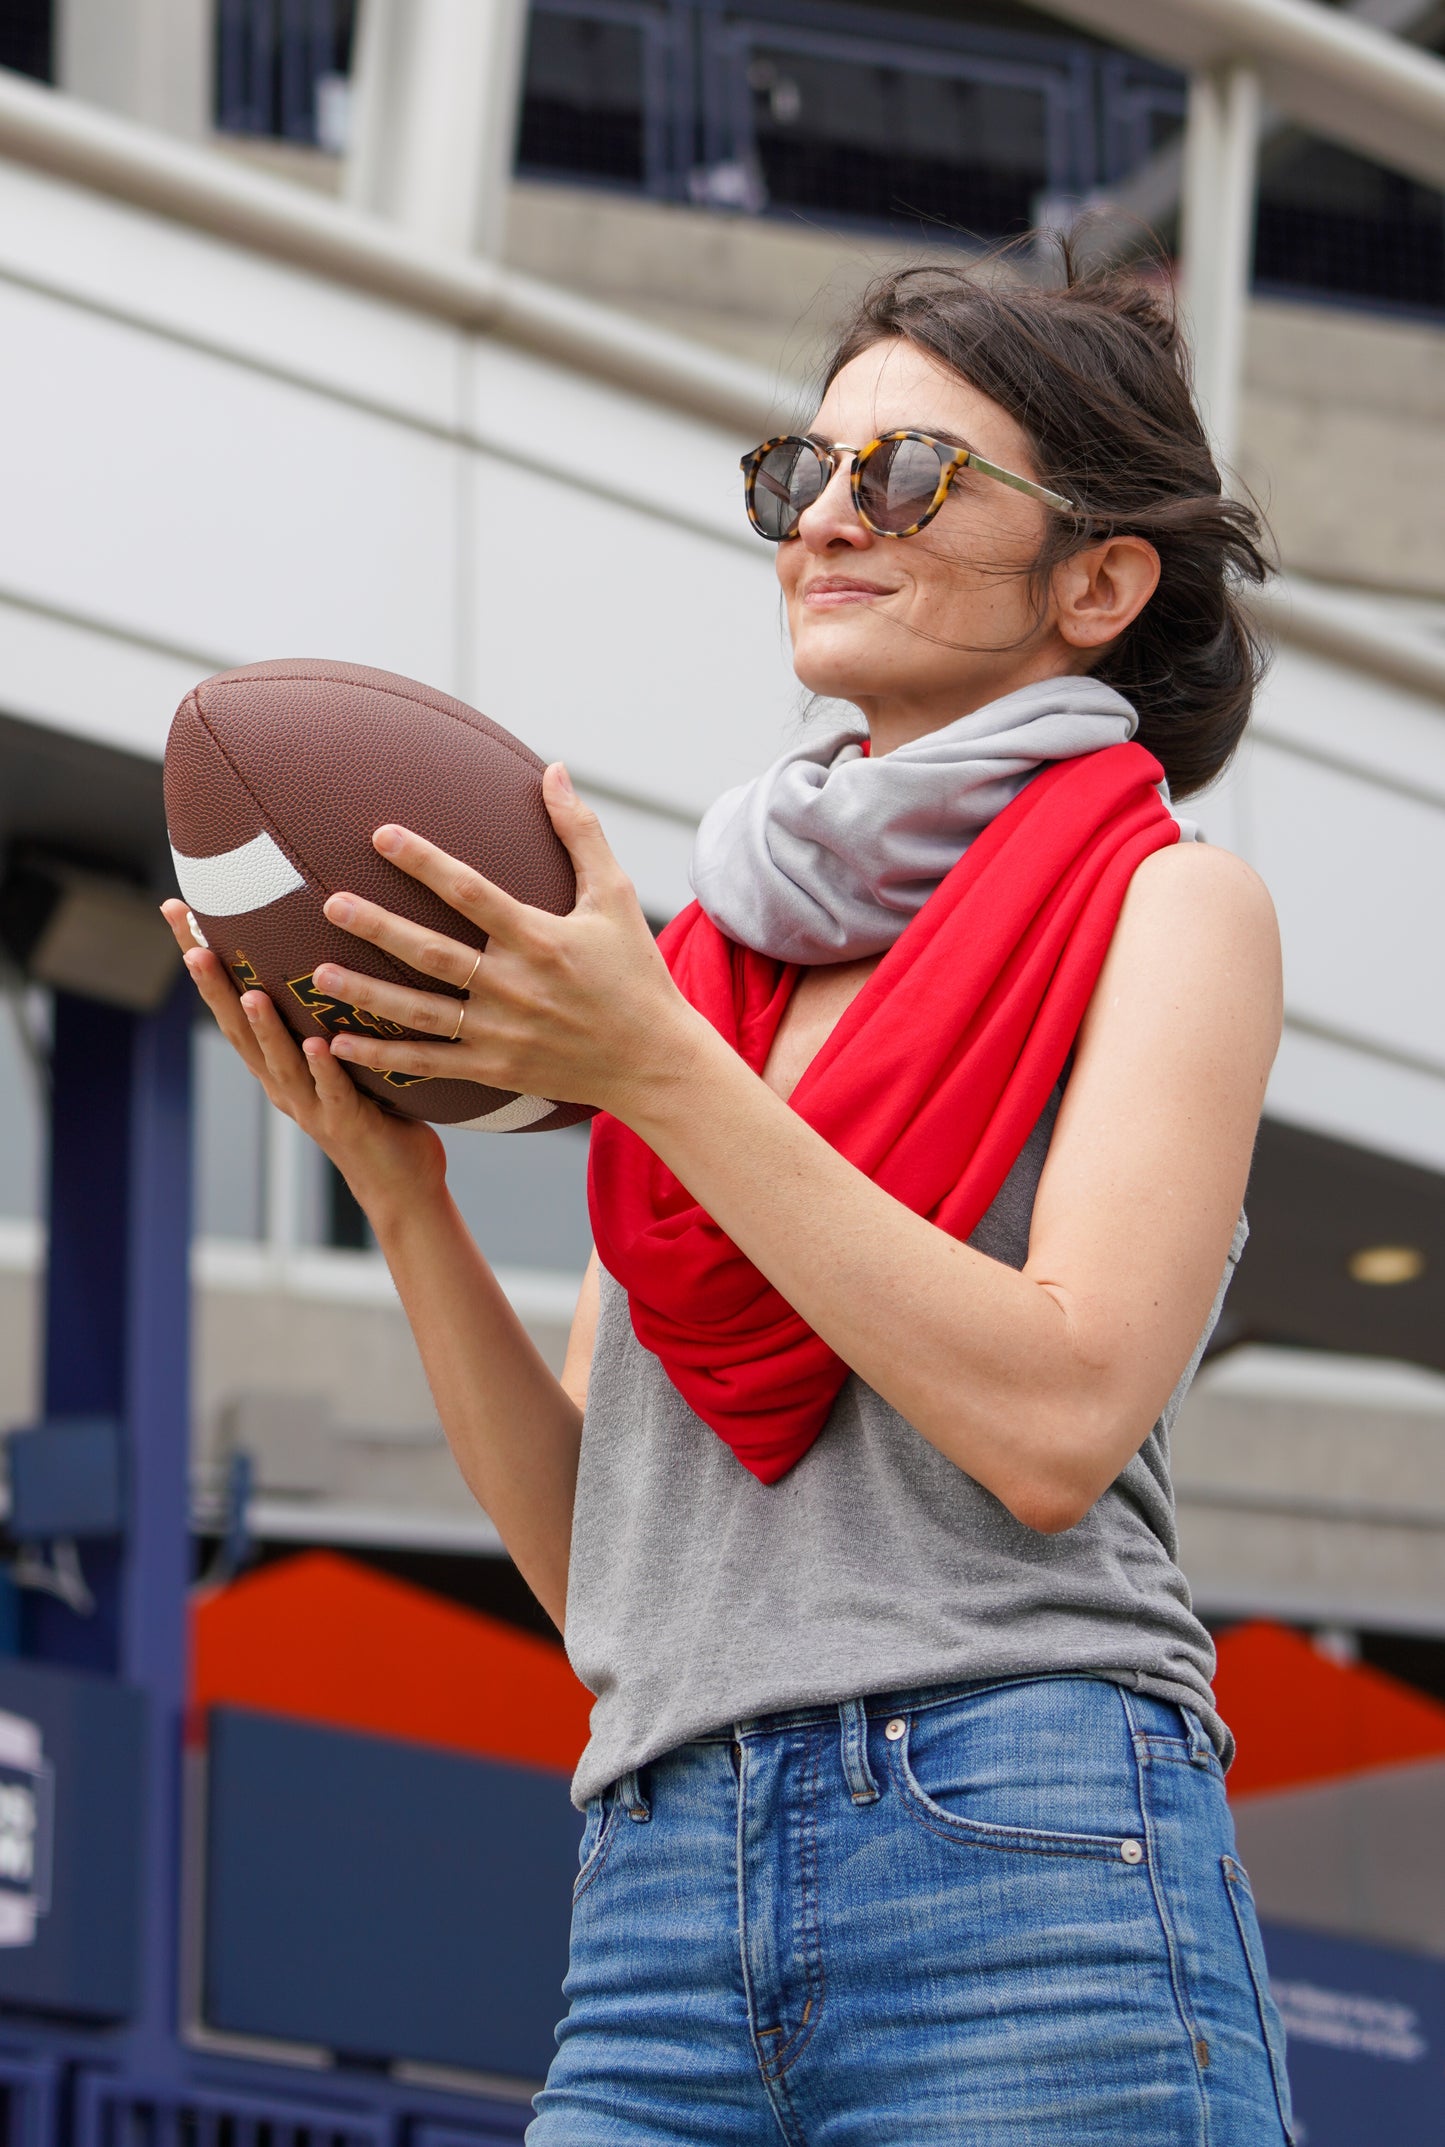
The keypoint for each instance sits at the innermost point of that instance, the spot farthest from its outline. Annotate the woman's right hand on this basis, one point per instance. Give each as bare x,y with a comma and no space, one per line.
389,1163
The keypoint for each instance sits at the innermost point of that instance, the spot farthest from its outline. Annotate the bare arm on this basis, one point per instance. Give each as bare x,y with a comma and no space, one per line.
1040,1384
577,1365
514,1428
512,1425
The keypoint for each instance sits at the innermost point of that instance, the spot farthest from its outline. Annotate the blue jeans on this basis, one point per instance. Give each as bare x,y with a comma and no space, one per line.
1002,1915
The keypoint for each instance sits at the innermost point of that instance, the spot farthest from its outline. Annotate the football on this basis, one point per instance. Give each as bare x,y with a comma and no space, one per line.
277,776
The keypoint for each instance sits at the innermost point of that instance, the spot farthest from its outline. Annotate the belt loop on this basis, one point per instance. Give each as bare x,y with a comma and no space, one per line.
854,1717
630,1797
1201,1750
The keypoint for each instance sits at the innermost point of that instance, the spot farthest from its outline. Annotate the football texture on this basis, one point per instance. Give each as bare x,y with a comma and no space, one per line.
277,776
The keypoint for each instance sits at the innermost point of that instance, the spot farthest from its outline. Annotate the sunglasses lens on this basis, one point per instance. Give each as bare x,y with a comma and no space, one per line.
788,479
896,484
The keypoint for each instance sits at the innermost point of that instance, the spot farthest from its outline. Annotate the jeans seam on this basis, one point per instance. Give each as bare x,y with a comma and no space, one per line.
1171,1946
1236,1880
814,1980
601,1850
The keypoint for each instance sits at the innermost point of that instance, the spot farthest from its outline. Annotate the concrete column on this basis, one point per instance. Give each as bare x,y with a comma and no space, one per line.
1221,153
148,59
437,86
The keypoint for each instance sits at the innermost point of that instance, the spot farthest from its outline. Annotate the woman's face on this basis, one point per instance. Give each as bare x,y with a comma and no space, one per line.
917,631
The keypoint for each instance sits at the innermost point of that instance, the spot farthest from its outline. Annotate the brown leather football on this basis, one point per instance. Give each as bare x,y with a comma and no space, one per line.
278,775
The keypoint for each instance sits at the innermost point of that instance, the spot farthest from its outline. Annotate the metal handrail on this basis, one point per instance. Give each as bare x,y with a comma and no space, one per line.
1334,74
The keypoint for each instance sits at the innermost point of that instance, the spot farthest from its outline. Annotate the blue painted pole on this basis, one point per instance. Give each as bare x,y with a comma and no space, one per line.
155,1559
117,1343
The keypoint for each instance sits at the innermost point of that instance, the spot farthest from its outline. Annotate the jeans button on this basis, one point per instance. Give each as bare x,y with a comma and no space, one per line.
895,1729
1132,1851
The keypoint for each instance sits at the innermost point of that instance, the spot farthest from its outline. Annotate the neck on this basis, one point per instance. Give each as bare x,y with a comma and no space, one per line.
899,719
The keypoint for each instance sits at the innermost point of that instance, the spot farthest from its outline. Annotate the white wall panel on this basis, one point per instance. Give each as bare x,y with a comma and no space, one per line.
70,677
599,435
1331,710
649,656
186,284
1354,1094
187,498
1358,876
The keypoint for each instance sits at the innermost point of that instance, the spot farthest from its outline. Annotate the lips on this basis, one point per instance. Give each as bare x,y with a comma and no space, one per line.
840,589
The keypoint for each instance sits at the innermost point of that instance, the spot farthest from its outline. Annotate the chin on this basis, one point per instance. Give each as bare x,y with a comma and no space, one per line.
843,667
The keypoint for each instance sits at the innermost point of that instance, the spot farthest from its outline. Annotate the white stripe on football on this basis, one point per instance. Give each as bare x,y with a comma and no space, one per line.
235,881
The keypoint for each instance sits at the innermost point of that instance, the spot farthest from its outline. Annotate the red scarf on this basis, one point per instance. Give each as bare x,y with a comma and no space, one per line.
930,1083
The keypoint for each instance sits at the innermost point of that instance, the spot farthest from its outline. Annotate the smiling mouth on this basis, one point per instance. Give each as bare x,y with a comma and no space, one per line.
828,593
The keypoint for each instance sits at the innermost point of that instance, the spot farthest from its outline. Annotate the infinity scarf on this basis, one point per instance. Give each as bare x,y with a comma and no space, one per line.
930,1083
828,855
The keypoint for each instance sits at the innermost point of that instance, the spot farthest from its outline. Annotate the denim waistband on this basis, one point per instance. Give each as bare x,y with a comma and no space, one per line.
1149,1719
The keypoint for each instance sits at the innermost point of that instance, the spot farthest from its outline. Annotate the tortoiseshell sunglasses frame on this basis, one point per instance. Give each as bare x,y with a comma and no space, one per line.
951,460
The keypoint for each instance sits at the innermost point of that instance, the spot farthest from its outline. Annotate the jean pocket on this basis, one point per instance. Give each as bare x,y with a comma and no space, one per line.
596,1836
931,1750
1241,1900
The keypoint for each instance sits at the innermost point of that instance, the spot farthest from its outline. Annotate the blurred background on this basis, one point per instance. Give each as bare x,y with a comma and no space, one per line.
334,328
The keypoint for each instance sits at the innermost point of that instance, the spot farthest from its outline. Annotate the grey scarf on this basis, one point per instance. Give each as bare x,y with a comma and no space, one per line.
828,855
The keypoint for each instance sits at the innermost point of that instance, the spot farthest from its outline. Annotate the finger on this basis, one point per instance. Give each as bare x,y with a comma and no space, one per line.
450,961
427,1011
219,994
335,1090
460,886
580,831
182,924
286,1072
428,1062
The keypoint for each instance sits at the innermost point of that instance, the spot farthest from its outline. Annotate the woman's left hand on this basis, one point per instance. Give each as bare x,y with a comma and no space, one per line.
579,1008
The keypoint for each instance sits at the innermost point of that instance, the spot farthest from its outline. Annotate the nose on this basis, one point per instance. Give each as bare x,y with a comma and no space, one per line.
832,519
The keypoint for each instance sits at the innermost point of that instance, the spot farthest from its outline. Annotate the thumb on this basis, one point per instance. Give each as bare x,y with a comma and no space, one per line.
580,831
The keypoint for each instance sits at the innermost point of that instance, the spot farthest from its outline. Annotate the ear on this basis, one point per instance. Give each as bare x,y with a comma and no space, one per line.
1100,591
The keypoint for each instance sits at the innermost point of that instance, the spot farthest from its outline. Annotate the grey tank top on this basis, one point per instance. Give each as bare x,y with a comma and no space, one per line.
698,1597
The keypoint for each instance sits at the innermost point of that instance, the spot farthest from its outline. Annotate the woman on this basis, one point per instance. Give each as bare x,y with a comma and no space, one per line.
905,1814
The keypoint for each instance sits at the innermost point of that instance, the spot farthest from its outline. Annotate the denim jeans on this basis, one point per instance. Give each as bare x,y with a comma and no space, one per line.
976,1916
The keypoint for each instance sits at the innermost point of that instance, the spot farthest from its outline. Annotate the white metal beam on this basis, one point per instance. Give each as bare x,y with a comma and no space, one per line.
150,59
1335,74
436,90
1221,146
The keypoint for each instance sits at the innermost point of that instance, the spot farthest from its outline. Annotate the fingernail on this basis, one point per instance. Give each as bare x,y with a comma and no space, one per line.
341,1047
192,959
387,840
251,1012
341,909
564,781
327,977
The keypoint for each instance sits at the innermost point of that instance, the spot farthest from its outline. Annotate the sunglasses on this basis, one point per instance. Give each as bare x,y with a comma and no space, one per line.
898,482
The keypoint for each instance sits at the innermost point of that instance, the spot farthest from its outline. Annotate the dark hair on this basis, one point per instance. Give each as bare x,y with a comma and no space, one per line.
1095,370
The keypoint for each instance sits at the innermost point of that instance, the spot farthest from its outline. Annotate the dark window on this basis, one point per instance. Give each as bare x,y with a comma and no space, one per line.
344,1221
282,68
847,113
584,107
1331,222
27,38
884,142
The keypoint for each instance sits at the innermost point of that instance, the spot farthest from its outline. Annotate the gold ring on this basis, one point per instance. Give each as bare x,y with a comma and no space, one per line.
476,965
461,1017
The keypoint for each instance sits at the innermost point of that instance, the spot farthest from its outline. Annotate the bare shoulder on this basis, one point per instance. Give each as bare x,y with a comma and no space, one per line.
1194,960
1194,879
